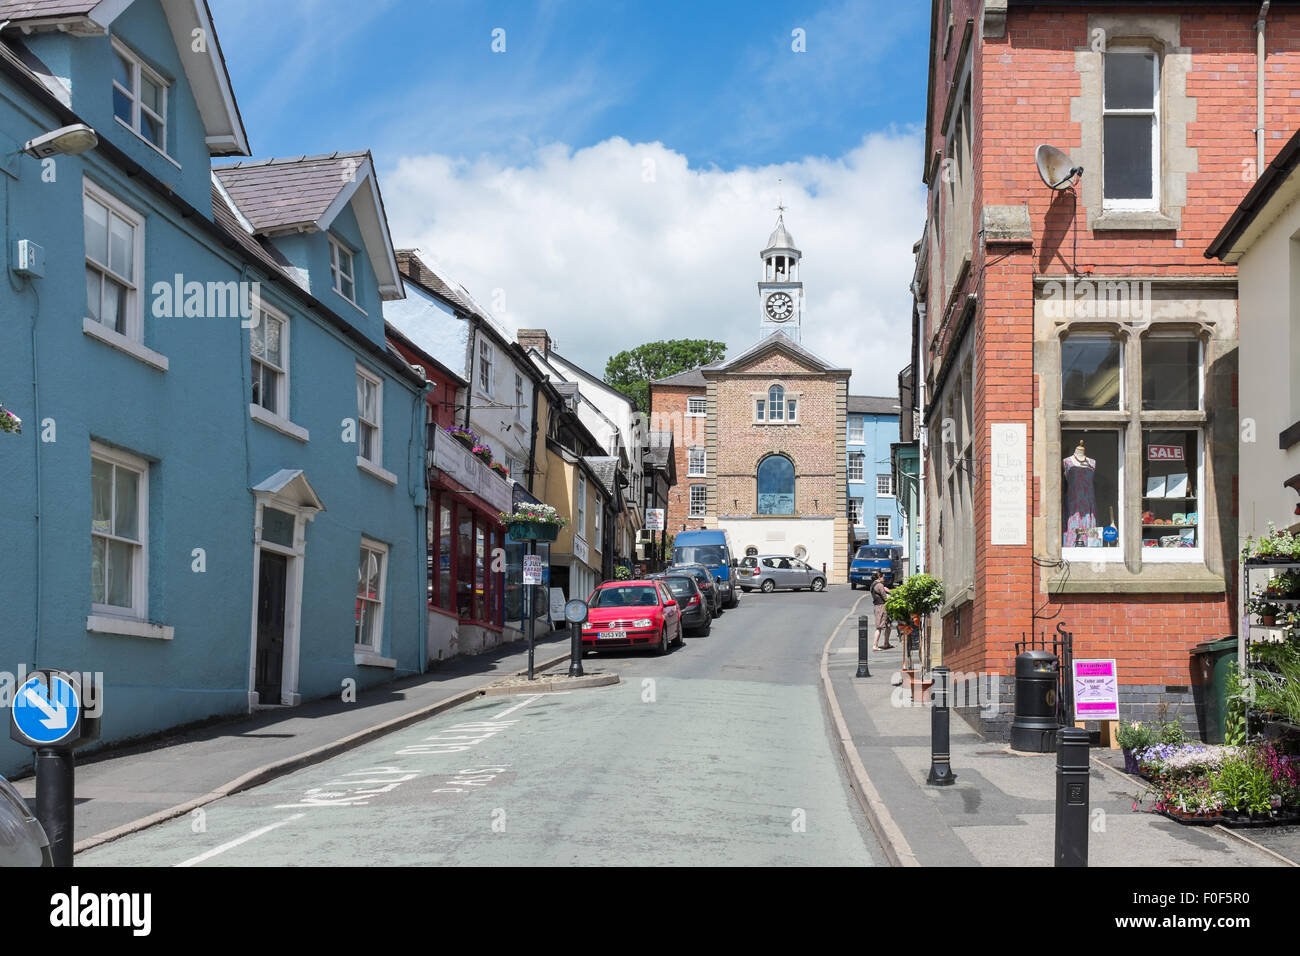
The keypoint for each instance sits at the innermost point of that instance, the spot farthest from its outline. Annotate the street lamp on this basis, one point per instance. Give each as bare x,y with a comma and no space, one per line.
64,141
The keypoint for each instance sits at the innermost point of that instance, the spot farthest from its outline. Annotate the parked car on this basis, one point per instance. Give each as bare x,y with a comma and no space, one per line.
771,571
696,613
886,558
641,613
22,838
711,548
708,584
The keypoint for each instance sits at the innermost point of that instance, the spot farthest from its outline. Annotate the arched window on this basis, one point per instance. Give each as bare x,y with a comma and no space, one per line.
776,485
776,404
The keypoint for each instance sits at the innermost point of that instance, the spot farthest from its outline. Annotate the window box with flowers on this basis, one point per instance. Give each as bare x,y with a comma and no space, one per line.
533,523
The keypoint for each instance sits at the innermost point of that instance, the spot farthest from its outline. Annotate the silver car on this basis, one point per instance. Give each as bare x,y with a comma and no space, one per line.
22,838
771,571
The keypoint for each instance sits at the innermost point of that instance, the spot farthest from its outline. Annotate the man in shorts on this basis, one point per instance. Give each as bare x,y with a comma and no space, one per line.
878,594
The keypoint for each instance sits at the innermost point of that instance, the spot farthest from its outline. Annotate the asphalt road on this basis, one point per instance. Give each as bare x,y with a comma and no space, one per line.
718,753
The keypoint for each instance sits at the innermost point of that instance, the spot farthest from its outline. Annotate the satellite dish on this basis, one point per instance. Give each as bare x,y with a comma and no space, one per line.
1055,167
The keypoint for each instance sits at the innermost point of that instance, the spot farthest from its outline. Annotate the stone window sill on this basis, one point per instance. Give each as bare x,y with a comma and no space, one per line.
365,657
128,627
370,468
1154,578
1115,219
282,425
115,339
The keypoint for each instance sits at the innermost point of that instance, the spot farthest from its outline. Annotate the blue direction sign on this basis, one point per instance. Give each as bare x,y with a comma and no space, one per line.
46,710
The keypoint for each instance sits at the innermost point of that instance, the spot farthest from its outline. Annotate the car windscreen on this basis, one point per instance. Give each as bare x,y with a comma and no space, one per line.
874,554
629,595
711,555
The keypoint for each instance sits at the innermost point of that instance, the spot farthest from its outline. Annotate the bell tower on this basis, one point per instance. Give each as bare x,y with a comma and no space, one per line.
780,293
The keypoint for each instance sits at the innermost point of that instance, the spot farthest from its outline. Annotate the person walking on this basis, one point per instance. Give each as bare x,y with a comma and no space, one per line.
878,594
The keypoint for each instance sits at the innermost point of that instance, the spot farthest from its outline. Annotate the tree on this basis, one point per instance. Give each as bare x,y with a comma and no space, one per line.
631,371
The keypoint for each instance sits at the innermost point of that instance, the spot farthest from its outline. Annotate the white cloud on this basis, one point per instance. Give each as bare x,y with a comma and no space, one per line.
581,245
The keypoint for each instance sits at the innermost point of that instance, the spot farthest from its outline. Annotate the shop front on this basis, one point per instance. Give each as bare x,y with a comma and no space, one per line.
467,551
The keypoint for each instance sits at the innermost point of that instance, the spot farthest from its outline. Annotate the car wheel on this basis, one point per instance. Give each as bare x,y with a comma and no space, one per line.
681,635
662,646
769,586
704,631
819,584
853,585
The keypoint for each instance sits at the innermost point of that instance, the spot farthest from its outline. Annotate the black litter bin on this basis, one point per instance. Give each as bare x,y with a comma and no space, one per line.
1037,685
1211,663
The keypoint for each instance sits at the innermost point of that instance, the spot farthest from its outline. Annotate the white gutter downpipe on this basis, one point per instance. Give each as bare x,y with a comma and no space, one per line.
1259,89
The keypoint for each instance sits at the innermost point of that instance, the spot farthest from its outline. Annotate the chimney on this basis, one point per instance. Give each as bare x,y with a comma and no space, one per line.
535,339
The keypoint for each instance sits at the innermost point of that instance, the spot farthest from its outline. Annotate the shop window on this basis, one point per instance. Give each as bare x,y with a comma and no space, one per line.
1090,491
482,587
1091,368
1171,494
444,557
1171,373
465,564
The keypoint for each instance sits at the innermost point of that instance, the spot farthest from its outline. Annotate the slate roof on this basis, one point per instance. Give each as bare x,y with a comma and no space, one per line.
413,267
691,377
659,448
874,405
284,193
225,217
605,468
40,9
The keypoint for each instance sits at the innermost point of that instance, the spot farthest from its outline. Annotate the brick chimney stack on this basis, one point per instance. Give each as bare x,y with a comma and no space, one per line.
535,339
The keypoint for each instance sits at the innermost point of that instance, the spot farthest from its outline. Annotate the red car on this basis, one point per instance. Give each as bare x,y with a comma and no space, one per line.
632,614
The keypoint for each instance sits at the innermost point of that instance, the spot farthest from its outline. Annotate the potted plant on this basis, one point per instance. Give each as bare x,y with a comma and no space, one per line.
500,469
466,436
533,522
1260,605
483,453
1133,737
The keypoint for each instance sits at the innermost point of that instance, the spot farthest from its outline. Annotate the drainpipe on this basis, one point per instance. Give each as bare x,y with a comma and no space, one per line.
420,496
532,441
474,333
1259,89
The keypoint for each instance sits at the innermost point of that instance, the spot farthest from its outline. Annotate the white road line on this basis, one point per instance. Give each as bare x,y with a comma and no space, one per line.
215,851
510,710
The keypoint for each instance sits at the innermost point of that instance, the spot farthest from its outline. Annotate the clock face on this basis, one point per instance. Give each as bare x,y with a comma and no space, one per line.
779,306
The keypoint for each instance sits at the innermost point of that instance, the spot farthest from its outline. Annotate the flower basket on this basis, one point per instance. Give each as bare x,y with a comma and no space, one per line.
533,531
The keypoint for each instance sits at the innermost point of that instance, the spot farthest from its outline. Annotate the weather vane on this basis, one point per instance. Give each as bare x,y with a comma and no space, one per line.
780,203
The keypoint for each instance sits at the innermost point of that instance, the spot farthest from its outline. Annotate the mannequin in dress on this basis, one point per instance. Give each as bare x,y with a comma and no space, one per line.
1080,497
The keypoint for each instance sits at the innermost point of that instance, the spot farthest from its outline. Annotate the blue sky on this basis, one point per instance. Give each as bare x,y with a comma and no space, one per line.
612,175
716,81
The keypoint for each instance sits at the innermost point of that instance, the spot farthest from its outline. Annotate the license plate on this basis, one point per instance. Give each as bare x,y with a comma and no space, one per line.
613,636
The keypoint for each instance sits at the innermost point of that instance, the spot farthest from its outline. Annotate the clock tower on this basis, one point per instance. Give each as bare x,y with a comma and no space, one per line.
780,293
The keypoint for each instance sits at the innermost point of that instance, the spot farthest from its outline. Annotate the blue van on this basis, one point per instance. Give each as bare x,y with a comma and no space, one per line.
876,557
713,550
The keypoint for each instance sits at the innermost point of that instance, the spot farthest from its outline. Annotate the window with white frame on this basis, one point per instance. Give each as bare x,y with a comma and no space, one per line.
856,465
952,465
370,412
882,527
269,340
699,500
114,235
695,463
884,486
697,406
580,505
857,431
371,572
485,359
595,521
519,397
119,522
139,97
776,404
855,511
343,270
1130,131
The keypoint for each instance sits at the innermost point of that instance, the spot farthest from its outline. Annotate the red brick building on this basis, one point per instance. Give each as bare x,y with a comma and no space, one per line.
1077,351
679,406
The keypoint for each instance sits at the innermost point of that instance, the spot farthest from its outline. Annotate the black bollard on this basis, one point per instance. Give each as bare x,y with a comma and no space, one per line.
54,800
575,650
941,774
1072,797
864,634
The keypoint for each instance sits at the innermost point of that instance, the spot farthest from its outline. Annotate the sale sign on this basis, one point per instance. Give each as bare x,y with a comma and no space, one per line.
1096,690
1164,452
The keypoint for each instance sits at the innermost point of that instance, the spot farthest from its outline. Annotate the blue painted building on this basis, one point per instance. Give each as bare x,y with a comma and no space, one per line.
874,517
216,498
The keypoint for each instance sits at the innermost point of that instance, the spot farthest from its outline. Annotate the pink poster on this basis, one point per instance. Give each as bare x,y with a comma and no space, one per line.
1096,690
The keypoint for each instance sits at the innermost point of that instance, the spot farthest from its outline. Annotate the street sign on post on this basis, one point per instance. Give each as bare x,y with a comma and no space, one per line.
532,569
48,714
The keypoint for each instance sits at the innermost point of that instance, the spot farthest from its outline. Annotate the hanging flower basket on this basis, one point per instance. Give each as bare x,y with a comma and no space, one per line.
466,436
533,523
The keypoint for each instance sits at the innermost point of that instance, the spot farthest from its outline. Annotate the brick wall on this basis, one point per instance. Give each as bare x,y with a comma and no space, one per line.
668,413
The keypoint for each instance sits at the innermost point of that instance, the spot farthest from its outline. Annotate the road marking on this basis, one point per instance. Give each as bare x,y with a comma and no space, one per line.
524,703
216,851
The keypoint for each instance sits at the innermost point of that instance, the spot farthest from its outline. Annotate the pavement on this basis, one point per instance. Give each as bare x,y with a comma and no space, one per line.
127,788
1001,809
718,753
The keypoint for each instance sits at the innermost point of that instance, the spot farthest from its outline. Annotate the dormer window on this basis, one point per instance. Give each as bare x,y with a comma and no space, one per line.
139,97
342,270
